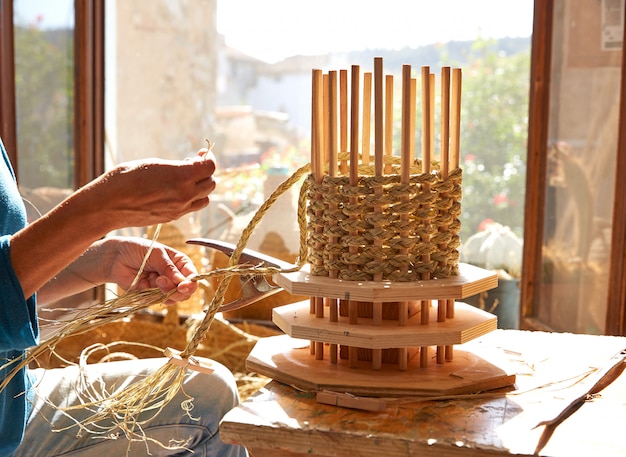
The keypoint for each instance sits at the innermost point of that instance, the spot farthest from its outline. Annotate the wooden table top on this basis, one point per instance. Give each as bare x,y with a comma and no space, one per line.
552,369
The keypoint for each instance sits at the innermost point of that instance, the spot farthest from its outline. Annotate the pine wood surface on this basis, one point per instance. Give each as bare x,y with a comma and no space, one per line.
469,323
289,361
470,281
550,371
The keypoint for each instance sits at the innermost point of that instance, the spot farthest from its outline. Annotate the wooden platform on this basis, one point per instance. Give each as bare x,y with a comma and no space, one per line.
551,370
289,361
470,281
469,323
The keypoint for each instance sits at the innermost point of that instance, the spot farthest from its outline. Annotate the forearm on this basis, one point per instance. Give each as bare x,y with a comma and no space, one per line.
42,250
84,273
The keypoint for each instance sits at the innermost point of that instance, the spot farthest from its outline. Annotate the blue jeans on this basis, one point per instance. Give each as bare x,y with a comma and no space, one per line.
214,395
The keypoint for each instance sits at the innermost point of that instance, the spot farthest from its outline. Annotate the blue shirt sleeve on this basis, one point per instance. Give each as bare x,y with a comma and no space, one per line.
18,315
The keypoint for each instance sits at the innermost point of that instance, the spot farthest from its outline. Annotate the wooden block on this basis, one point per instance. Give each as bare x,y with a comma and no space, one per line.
351,401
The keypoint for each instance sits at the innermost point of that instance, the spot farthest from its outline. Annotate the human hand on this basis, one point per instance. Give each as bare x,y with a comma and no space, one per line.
166,268
147,192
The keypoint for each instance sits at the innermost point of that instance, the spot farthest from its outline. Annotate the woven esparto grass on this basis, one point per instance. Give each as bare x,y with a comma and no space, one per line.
395,225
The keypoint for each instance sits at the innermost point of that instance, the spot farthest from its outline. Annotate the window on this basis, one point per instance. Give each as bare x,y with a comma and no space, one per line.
574,245
238,73
44,81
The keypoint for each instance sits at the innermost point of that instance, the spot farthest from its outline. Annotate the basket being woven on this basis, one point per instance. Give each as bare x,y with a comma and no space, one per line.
383,228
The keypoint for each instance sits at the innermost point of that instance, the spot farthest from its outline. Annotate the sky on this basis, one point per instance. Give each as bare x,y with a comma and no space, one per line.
272,30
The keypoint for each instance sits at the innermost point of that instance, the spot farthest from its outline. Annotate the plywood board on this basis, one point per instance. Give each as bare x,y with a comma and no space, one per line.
469,323
470,281
288,360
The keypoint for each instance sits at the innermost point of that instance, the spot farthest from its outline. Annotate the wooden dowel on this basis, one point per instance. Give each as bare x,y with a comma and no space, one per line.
332,172
378,117
455,144
426,164
445,122
432,115
316,143
325,114
426,160
426,120
406,158
442,306
317,125
388,120
354,125
367,114
455,118
354,170
440,355
332,124
343,117
413,116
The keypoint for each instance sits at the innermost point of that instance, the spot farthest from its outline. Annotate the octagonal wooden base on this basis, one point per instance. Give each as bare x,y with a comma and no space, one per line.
470,281
469,323
288,360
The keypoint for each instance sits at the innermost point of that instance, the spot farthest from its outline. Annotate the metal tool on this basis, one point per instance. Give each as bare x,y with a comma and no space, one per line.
253,287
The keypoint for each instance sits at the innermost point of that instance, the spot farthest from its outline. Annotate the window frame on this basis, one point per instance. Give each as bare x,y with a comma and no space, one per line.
534,213
89,136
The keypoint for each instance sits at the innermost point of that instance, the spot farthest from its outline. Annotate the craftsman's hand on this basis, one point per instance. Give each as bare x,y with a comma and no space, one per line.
147,192
166,268
134,194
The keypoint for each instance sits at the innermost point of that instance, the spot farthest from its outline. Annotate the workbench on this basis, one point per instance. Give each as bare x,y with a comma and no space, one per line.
551,370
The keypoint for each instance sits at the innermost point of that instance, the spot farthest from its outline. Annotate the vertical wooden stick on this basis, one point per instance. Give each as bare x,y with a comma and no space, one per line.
343,116
405,133
378,117
332,172
406,160
354,179
426,165
317,119
455,118
442,305
455,144
388,120
445,121
377,307
432,115
367,113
